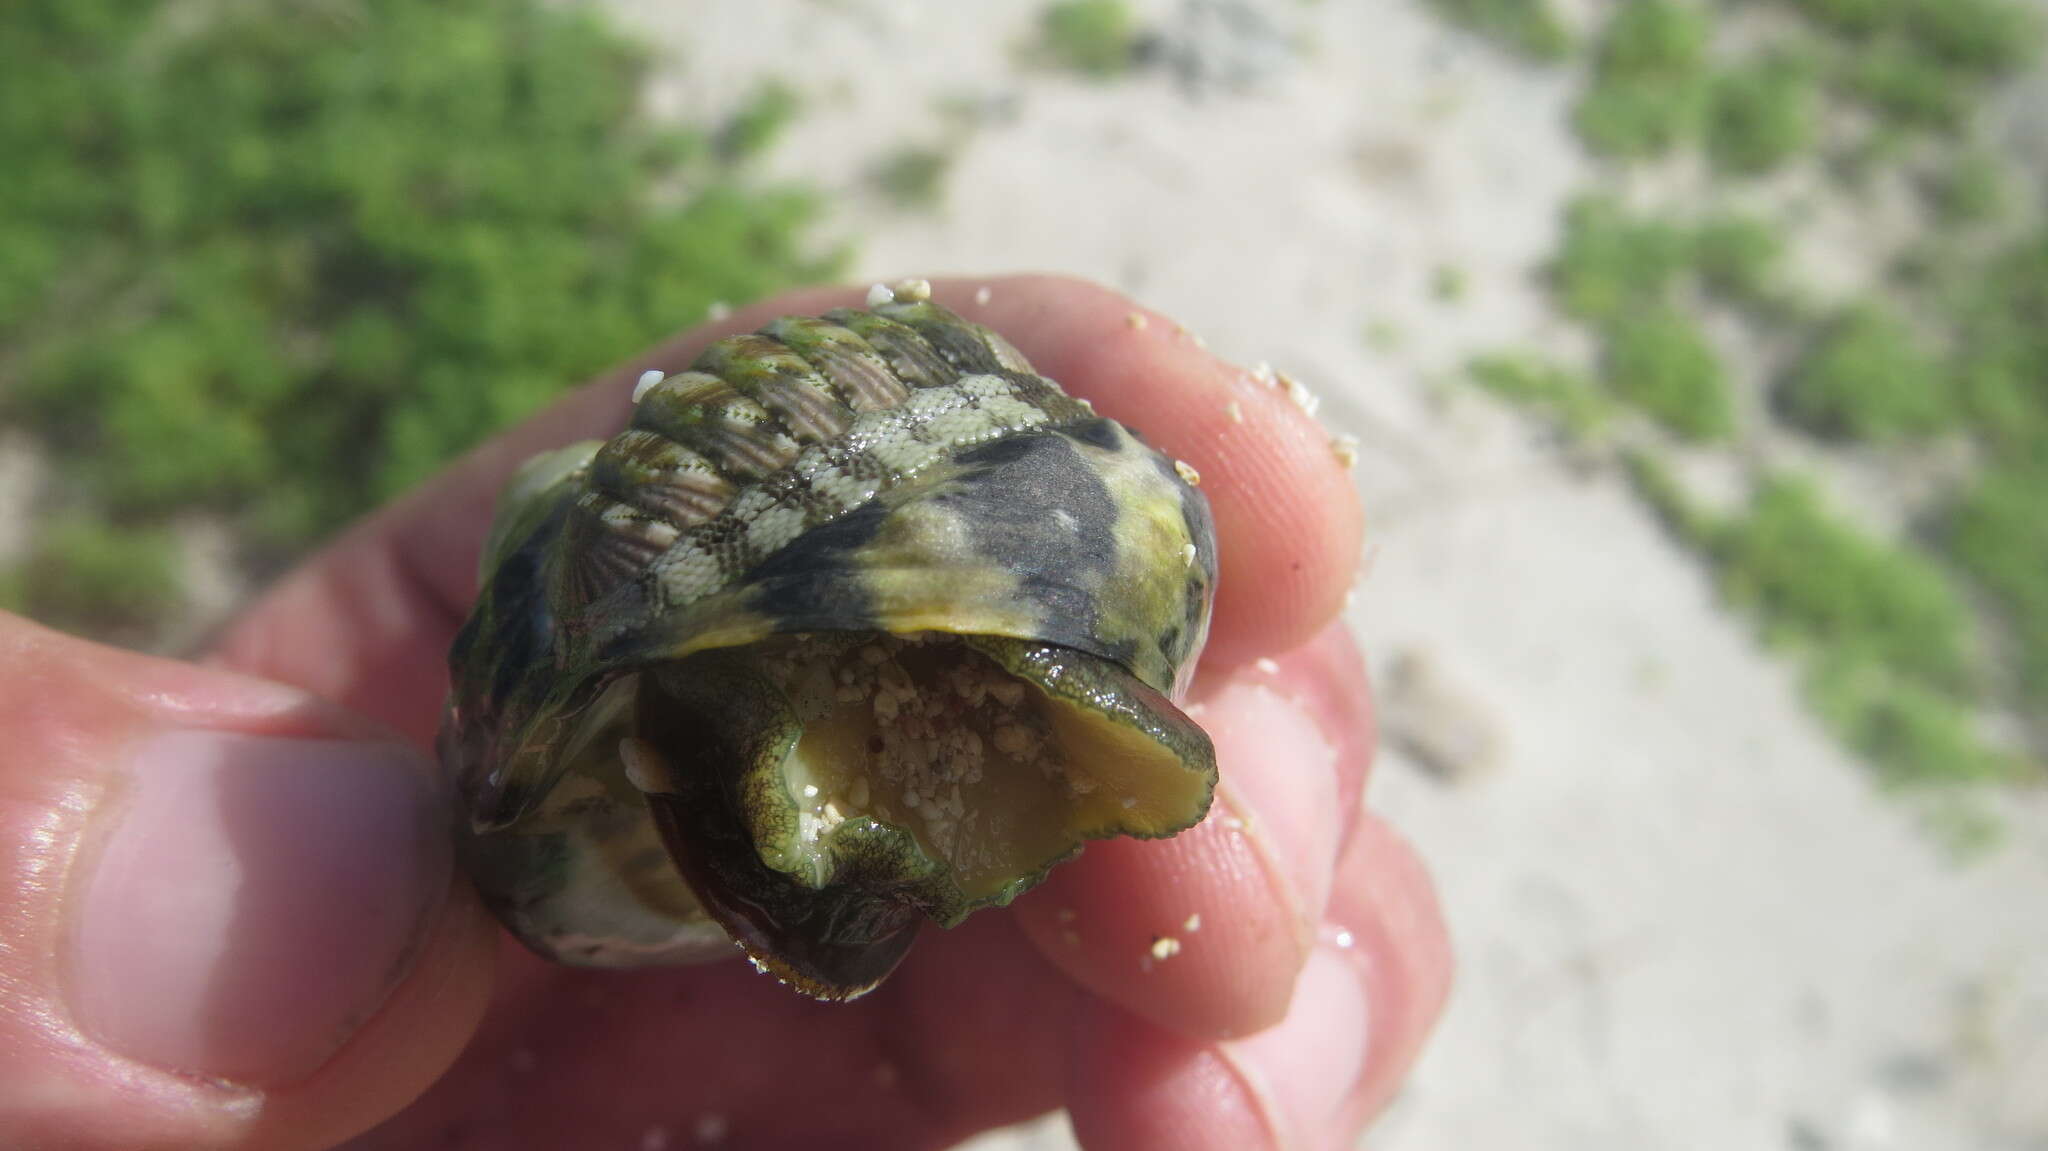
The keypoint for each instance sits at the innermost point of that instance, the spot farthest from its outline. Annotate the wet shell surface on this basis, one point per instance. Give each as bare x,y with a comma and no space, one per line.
861,622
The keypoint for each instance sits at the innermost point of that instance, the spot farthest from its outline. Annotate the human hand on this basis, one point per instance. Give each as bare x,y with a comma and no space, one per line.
229,917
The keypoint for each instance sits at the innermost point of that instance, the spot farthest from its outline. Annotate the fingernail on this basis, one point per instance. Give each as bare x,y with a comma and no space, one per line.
1276,787
255,900
1302,1070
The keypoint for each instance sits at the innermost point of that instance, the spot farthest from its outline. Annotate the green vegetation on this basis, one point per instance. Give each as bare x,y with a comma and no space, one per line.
89,575
2000,536
282,263
1913,735
1884,635
1660,361
1996,309
1560,393
1093,38
1620,274
1868,378
1740,261
1613,262
1762,113
759,123
1815,581
1970,190
1448,283
1956,347
1682,516
1903,84
914,177
1526,27
1923,64
1651,81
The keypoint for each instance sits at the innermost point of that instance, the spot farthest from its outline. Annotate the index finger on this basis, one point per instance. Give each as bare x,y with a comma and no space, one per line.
368,621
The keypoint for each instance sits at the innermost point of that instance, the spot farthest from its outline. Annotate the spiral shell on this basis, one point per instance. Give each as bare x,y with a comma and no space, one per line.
859,622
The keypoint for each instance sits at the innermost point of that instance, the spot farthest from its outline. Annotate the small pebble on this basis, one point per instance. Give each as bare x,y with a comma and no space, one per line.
913,291
1266,665
879,294
1345,448
1235,411
1193,924
647,379
1187,555
1187,473
1165,947
1135,321
1304,399
982,295
1343,939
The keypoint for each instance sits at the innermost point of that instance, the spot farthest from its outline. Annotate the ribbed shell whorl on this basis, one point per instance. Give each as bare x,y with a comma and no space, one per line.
775,432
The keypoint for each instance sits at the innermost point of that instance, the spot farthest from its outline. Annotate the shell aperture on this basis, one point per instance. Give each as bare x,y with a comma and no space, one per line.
859,623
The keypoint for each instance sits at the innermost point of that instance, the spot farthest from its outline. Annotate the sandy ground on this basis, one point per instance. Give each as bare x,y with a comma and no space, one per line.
1685,918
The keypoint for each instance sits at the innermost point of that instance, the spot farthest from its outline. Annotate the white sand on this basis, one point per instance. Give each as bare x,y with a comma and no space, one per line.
1685,918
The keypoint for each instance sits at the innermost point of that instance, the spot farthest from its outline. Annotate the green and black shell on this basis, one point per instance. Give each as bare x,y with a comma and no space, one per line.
860,622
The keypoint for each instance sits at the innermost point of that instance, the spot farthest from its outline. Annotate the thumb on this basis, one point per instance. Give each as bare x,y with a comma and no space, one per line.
228,913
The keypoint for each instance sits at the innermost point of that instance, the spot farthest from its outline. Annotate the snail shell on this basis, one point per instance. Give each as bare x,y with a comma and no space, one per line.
860,622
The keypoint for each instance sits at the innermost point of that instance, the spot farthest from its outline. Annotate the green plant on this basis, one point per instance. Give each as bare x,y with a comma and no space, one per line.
1979,37
2000,537
1448,283
280,261
1868,378
1659,360
1651,81
1612,262
759,122
89,574
914,177
1818,583
1852,17
1092,38
1690,523
1762,113
1555,391
1526,27
1995,309
1969,189
1913,735
1740,258
1906,86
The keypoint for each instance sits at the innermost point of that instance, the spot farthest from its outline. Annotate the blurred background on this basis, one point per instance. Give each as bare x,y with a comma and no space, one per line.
1694,357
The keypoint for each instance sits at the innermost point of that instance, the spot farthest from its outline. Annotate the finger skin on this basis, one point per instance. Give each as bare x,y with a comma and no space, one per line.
970,1034
1402,946
1136,1084
976,1030
1237,899
71,711
368,621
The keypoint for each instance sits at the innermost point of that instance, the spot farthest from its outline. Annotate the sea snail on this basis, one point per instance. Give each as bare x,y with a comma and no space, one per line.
860,622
